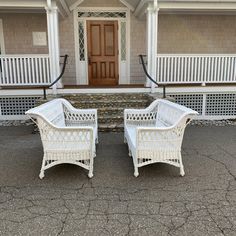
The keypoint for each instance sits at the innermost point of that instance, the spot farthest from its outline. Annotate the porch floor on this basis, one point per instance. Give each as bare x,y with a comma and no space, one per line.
158,202
127,86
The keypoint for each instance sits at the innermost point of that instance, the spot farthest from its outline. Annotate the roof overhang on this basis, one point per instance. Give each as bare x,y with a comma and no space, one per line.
124,2
138,7
188,6
26,4
32,6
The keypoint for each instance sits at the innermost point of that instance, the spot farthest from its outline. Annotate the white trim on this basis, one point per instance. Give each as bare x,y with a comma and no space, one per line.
75,5
213,117
76,38
53,44
169,90
65,6
79,79
128,50
103,90
23,4
106,9
184,7
140,7
2,42
129,6
152,39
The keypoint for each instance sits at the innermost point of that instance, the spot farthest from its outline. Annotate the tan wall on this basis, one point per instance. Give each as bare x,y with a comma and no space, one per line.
197,34
67,46
138,46
177,34
18,30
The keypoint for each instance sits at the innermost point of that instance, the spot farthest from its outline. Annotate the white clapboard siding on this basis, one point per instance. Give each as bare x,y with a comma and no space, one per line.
24,70
195,69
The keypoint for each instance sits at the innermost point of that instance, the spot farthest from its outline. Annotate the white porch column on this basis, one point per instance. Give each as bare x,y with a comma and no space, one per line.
152,37
53,44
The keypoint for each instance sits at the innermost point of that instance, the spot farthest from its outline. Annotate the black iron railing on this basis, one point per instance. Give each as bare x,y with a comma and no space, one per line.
141,57
58,78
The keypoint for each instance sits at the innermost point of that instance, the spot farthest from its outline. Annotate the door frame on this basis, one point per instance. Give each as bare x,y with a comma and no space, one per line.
82,64
2,43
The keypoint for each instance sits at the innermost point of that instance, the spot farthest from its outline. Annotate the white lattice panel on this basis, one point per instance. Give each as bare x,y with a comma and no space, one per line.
193,101
105,14
15,107
221,105
212,106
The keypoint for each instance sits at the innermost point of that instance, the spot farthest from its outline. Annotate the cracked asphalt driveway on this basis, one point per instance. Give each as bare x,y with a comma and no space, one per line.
158,202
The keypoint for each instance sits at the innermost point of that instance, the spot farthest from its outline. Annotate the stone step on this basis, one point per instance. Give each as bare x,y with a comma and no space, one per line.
110,119
114,111
107,104
111,127
106,97
106,111
110,107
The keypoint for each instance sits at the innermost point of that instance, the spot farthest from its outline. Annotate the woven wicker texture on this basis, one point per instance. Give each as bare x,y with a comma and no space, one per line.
68,135
155,134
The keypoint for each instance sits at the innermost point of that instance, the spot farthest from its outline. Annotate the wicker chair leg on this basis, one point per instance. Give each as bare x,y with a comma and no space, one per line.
182,173
136,173
90,174
130,154
41,175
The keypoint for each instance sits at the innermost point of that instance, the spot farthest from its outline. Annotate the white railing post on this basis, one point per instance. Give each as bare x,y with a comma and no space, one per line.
152,38
53,44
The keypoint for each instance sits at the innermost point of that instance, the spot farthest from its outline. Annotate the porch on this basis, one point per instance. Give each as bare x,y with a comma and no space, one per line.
172,69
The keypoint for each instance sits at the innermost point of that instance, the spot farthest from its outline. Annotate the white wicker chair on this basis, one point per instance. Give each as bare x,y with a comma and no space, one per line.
155,134
68,134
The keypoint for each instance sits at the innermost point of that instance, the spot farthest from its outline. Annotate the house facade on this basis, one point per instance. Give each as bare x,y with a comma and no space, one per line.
187,43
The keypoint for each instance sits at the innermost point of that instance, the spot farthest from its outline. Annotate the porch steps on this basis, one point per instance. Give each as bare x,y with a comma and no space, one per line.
110,107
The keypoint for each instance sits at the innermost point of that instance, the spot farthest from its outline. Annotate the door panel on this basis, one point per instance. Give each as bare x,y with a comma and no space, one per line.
96,44
102,52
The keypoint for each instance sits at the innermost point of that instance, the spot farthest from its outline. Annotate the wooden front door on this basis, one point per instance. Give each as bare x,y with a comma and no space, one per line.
102,52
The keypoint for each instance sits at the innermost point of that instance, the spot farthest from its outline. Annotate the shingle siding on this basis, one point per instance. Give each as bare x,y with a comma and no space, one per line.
177,34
